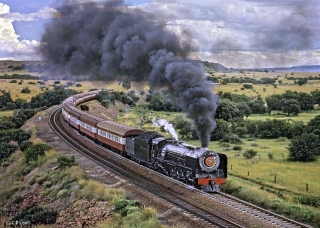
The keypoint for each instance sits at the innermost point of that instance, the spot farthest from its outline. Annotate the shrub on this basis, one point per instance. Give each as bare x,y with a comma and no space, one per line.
270,156
35,150
13,81
36,215
248,154
26,90
64,161
25,145
78,85
230,188
237,148
63,193
307,200
124,207
232,138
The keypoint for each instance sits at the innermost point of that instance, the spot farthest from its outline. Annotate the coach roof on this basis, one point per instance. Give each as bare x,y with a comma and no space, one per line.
120,129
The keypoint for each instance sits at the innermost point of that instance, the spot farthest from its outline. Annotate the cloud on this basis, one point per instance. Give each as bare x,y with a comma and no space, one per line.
233,32
44,13
10,45
254,28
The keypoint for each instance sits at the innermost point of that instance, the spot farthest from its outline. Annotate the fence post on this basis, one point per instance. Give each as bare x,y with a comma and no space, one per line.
231,167
248,173
307,187
275,179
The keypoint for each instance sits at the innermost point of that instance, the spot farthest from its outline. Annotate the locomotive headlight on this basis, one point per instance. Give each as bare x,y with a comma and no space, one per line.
209,161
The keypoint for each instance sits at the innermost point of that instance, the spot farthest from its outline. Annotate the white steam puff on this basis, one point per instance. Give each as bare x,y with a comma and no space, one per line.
168,127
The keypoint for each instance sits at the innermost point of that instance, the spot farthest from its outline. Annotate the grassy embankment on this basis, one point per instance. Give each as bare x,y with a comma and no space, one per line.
60,187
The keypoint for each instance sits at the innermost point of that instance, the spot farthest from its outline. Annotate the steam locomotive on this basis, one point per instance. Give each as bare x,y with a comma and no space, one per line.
199,167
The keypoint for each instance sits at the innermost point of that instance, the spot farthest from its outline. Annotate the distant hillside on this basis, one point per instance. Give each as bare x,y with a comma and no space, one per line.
303,68
209,66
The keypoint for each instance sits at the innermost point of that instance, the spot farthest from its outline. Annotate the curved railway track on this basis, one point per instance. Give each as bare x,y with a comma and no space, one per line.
208,207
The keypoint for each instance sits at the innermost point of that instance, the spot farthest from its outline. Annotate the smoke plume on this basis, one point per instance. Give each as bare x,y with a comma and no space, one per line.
106,40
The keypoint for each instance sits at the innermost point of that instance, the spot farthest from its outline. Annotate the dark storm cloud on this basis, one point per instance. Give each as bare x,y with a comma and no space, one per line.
110,39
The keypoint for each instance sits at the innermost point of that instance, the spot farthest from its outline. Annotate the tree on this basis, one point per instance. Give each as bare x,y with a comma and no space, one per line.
273,103
313,125
316,97
227,110
304,148
306,101
187,130
144,115
302,81
126,84
257,106
220,131
244,109
291,106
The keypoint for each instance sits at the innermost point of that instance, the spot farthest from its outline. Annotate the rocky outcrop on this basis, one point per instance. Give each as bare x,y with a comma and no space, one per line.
83,213
30,199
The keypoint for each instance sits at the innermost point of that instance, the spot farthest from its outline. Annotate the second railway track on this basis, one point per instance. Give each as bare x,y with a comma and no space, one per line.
217,210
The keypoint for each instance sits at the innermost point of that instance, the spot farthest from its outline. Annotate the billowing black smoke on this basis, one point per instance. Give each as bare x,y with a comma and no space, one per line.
104,41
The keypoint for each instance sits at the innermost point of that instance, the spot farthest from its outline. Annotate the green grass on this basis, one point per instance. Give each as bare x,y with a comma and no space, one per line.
6,113
302,117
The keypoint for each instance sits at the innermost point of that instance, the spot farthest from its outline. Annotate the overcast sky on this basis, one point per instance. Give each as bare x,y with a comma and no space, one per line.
235,33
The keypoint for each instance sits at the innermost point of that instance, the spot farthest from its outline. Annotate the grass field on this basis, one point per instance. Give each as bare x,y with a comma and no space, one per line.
303,117
15,88
6,113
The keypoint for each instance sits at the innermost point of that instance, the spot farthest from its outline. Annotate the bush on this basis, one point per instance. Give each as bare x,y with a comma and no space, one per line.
270,156
248,154
124,206
26,90
36,215
78,85
232,138
63,193
35,150
25,145
230,188
13,81
307,200
64,161
237,148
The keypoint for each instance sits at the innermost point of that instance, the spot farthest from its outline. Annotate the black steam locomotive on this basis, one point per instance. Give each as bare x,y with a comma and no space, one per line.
198,167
